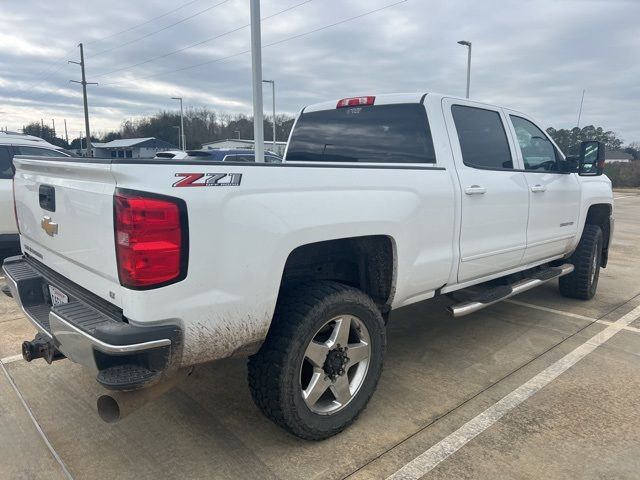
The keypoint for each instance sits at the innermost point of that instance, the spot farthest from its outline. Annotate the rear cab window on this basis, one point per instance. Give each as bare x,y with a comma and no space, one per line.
396,133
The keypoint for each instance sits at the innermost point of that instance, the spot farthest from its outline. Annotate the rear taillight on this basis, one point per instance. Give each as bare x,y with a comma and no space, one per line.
355,102
151,239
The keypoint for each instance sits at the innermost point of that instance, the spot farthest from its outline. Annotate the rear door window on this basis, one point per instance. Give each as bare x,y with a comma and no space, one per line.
482,137
6,162
397,133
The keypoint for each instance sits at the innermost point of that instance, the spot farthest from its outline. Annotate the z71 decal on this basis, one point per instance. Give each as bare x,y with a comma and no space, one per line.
208,180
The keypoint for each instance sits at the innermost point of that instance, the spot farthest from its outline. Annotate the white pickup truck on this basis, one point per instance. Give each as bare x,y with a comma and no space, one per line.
140,270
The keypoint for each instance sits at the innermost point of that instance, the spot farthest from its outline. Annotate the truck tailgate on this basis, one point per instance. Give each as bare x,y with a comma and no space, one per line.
65,216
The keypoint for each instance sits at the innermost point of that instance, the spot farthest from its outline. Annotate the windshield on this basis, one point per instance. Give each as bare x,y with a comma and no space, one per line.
396,133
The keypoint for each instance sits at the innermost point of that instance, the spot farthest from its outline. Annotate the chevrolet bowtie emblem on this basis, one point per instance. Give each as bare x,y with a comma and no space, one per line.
48,226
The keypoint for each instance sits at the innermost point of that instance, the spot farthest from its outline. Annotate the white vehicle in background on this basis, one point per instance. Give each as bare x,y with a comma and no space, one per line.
172,154
140,269
11,144
219,154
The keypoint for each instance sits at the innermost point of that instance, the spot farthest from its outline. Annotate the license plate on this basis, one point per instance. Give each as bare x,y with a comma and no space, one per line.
57,297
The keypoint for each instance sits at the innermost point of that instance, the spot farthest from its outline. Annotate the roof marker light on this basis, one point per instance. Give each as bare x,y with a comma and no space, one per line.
355,102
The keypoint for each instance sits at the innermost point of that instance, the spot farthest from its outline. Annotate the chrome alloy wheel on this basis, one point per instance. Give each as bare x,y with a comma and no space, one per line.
335,364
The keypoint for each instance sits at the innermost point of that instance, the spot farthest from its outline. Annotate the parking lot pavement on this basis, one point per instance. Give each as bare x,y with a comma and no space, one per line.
441,374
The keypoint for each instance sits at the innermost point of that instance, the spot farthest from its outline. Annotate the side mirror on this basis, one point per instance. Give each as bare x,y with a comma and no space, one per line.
591,160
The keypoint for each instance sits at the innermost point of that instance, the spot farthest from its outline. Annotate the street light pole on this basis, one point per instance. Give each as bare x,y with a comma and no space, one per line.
177,127
467,44
183,147
256,74
273,98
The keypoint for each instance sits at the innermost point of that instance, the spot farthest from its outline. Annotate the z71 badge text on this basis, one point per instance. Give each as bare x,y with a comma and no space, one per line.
208,180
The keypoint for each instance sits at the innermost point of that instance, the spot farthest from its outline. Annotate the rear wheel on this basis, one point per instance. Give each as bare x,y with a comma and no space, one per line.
583,281
321,361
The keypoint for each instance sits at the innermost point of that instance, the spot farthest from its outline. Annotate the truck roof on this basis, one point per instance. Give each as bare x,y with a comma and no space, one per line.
387,99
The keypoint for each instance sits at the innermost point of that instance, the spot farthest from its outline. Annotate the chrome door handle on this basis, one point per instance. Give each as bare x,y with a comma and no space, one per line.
475,190
538,188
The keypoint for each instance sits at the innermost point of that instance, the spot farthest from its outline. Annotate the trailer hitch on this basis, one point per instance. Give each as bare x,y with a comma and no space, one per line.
41,347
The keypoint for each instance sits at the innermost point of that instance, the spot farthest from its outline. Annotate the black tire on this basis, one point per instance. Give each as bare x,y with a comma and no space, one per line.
583,281
275,372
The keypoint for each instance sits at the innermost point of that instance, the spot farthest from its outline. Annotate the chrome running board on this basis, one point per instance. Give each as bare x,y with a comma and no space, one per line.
502,292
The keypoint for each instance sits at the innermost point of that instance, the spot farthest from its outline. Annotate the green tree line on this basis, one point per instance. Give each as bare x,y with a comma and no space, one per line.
201,125
569,140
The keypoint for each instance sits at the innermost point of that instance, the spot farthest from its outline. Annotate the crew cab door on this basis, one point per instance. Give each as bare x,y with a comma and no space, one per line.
554,196
494,196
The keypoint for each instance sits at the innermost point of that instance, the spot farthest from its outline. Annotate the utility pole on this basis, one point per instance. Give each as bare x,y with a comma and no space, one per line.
467,44
256,73
53,121
183,145
580,111
80,142
66,135
273,98
84,84
41,127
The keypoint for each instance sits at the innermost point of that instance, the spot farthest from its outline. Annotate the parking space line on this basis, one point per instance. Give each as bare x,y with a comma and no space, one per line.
57,457
628,328
11,359
569,314
551,310
442,450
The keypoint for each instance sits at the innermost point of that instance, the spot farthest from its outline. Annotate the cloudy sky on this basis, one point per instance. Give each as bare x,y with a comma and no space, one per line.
535,56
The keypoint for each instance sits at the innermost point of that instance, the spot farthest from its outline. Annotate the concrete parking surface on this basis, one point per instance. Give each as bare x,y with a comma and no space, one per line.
540,386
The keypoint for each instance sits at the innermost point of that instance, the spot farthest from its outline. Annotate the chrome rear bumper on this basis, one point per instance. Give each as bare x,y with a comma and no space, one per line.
87,330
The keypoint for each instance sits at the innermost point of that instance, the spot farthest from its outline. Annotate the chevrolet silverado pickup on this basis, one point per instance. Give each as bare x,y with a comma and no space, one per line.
140,270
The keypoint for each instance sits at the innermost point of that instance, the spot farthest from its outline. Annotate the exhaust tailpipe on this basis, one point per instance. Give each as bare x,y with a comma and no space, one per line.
114,406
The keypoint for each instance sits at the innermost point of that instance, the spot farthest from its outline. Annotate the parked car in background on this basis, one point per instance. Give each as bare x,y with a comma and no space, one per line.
12,143
221,155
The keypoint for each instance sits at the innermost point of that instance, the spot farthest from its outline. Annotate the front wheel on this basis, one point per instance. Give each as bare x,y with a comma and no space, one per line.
321,361
583,281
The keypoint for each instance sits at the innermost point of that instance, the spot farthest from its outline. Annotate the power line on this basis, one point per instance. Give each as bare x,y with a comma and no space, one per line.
237,54
135,40
47,70
143,23
64,55
207,40
40,81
